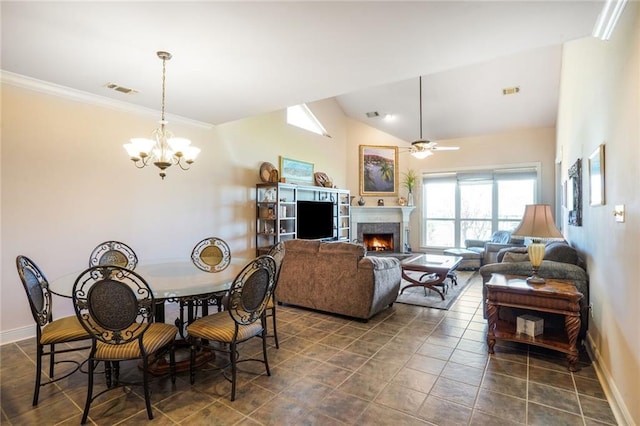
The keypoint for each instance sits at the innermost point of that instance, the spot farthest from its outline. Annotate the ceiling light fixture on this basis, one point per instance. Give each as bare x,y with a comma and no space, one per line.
423,148
420,148
164,150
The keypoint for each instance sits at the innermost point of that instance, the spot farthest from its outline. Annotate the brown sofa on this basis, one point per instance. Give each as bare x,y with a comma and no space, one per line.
337,277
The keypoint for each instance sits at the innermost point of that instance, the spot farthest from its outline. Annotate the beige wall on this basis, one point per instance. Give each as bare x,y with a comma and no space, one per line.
525,146
67,185
599,104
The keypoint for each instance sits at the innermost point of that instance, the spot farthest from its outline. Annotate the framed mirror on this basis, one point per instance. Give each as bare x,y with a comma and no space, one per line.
596,177
574,203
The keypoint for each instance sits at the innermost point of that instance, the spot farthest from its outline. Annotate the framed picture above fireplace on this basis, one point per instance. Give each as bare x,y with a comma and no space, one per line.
378,170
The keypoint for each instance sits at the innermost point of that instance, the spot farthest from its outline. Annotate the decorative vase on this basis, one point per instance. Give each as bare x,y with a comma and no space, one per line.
361,201
352,198
410,199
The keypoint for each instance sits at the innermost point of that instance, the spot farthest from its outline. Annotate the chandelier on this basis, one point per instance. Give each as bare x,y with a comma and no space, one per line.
164,149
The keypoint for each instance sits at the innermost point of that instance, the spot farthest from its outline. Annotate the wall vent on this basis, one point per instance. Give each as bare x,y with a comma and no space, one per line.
373,114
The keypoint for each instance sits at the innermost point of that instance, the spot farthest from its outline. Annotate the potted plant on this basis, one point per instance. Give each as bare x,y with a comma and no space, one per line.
409,182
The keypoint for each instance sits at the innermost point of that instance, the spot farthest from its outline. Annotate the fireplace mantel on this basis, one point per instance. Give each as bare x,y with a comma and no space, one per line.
385,211
375,214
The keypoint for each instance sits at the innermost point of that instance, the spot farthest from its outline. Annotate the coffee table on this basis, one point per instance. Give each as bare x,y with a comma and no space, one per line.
434,267
554,296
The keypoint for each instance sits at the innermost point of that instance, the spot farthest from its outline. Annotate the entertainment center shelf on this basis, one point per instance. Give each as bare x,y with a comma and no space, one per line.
286,211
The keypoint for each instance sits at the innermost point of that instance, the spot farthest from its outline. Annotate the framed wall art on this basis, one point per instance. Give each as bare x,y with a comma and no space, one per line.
378,170
295,171
596,177
574,205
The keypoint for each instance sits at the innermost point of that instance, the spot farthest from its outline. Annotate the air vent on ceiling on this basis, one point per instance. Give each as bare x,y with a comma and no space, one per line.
373,114
510,90
121,89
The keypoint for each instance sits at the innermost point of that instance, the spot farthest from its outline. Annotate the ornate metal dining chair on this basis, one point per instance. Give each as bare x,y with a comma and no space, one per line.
277,252
210,255
49,332
115,306
242,319
113,253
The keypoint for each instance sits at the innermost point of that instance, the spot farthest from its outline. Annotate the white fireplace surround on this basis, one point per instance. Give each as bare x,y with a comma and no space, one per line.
383,214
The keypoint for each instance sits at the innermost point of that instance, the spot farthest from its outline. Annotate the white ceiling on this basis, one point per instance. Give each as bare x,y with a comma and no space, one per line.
233,60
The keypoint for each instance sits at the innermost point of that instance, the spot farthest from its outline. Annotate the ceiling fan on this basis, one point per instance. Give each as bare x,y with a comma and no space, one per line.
423,148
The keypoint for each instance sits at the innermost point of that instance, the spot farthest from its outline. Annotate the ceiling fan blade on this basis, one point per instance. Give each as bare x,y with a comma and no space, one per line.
445,148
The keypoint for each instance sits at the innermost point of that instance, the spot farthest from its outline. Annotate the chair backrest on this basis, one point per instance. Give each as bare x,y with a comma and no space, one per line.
114,304
251,290
277,252
501,237
211,255
113,253
37,288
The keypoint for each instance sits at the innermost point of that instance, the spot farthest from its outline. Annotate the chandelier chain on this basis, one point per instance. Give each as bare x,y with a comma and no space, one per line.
164,72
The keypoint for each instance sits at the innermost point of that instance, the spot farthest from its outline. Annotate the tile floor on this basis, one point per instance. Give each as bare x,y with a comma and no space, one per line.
407,366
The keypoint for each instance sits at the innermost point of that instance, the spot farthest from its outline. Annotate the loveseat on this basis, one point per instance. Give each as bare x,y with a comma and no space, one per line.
488,249
561,261
337,277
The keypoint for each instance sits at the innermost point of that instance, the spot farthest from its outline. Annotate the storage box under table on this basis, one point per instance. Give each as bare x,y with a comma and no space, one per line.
529,325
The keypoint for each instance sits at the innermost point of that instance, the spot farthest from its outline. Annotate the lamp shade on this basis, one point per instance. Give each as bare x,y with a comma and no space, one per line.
537,222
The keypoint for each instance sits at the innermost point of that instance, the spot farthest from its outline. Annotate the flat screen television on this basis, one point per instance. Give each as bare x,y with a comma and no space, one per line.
315,220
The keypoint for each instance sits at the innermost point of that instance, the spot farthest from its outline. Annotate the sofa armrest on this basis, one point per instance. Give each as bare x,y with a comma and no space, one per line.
382,276
378,262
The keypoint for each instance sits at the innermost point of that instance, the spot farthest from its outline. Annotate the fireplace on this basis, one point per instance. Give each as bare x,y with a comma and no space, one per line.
382,220
378,242
380,237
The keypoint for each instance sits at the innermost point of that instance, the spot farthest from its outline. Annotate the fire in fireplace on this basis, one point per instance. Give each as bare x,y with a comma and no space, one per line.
378,242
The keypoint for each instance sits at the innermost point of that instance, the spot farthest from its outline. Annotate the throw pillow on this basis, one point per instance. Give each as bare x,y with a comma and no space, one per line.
559,251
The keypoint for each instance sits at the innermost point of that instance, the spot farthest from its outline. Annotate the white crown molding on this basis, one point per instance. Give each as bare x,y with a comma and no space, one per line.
17,80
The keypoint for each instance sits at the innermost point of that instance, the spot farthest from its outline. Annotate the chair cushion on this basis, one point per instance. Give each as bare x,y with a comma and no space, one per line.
221,327
156,336
67,329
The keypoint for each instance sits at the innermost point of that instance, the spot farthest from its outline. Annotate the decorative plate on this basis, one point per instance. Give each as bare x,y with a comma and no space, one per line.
321,178
265,171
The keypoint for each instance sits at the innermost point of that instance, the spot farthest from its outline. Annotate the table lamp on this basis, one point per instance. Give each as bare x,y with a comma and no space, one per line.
537,223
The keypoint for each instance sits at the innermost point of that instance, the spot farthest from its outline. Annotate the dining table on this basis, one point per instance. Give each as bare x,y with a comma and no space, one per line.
178,281
171,281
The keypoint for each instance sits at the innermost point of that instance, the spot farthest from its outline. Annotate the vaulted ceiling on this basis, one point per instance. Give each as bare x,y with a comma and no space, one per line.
233,60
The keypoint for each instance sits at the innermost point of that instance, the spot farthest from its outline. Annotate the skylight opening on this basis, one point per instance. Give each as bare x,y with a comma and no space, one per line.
302,117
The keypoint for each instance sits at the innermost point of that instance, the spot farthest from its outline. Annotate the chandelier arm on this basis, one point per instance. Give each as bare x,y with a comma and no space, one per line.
179,163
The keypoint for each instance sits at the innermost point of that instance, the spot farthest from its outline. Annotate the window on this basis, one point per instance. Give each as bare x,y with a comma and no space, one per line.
301,116
472,205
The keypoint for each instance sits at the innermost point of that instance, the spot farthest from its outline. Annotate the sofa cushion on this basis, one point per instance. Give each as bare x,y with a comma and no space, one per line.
342,248
303,246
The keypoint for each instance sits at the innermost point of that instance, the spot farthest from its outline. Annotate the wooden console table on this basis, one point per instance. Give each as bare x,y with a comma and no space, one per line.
554,296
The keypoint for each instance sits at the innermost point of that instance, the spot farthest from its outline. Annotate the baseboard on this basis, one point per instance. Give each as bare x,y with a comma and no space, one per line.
17,334
619,408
